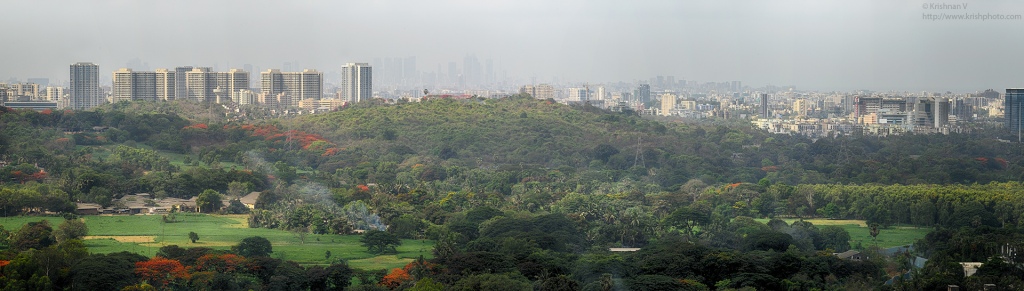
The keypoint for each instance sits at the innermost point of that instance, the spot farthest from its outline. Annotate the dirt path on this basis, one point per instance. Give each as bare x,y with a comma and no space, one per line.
125,238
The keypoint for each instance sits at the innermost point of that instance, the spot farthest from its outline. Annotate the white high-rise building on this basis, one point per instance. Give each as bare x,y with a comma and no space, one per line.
299,86
202,85
668,103
356,82
578,94
54,94
85,88
151,86
800,107
246,97
180,90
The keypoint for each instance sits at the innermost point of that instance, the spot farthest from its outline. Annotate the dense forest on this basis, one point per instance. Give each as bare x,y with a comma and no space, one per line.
520,193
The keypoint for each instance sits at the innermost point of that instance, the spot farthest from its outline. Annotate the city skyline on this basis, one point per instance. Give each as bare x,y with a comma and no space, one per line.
870,45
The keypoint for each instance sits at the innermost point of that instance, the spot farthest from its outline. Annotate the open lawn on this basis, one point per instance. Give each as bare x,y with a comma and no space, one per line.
145,234
859,232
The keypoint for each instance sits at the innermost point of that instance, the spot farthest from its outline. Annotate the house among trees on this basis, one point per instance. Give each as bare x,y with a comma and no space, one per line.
88,208
250,200
851,255
898,250
141,203
970,268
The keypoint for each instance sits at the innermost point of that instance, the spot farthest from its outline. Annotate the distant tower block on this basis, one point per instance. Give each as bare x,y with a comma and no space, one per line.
1013,111
764,106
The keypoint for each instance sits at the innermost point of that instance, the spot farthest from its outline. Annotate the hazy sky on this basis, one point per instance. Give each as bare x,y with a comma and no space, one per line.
819,45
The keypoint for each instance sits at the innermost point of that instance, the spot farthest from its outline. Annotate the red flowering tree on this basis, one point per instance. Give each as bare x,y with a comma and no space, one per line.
330,152
420,268
197,126
396,278
225,263
161,271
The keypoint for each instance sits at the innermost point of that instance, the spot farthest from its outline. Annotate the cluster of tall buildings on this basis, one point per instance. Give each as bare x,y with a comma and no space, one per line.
921,112
202,84
129,85
286,89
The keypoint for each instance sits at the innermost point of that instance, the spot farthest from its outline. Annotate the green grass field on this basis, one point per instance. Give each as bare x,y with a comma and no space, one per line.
145,234
859,232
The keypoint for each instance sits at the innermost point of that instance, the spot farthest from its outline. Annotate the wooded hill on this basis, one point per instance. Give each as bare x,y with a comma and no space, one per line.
523,133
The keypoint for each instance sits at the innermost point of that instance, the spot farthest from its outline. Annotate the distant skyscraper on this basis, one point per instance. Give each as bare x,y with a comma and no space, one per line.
923,114
453,74
151,86
643,94
471,70
307,84
357,82
43,82
248,68
246,97
800,107
941,111
578,94
55,94
392,71
203,85
962,110
1013,111
410,75
489,71
764,106
668,103
137,64
85,88
180,90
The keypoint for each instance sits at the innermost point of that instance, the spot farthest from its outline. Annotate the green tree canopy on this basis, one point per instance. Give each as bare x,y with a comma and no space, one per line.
71,229
209,201
255,246
378,242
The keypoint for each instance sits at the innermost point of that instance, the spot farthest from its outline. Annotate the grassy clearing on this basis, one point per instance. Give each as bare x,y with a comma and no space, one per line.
859,232
145,234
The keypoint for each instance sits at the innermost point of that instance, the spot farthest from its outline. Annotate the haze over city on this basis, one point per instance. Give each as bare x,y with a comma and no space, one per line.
813,45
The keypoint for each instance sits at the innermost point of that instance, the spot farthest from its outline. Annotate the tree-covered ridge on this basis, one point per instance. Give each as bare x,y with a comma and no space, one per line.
492,131
524,133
